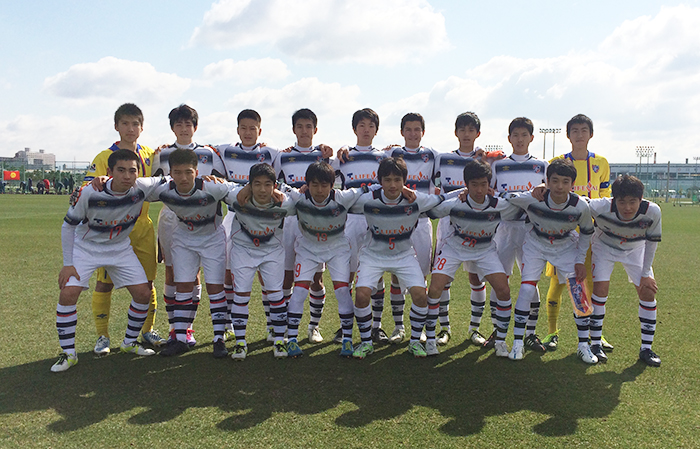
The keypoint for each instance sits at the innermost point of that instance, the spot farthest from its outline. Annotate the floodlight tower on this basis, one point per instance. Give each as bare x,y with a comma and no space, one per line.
644,151
553,132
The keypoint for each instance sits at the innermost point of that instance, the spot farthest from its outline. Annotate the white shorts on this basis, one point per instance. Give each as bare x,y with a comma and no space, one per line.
119,261
189,255
406,269
509,238
246,261
358,235
604,258
290,234
167,223
482,263
310,261
443,231
535,259
422,241
226,224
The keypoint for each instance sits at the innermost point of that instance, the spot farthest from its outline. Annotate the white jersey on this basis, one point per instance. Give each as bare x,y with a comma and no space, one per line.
360,168
208,160
421,167
391,223
449,170
554,225
621,234
107,217
473,225
322,226
256,226
518,173
238,160
291,167
198,211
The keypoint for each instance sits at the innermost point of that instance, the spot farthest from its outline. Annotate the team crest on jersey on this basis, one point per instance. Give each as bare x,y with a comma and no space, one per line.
203,158
408,210
379,158
148,161
425,158
643,224
261,157
572,218
135,199
276,216
93,167
491,217
596,168
203,202
537,168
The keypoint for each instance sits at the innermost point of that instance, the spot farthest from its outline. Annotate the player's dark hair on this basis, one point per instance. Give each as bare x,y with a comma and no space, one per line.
474,169
128,109
365,113
392,166
262,169
320,172
122,155
628,185
304,113
521,122
183,113
413,117
183,156
579,119
561,167
466,119
249,113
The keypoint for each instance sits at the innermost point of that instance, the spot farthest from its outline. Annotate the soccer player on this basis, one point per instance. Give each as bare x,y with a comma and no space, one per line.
256,233
519,172
357,167
197,239
184,121
322,212
470,241
128,122
391,220
553,238
628,230
291,167
420,162
593,181
95,233
449,174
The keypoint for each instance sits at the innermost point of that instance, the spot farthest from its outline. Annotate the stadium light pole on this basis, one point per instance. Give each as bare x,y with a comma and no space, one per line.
489,148
553,132
644,151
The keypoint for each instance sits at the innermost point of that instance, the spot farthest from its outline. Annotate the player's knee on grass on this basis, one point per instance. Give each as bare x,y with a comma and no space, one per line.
438,282
363,296
69,295
601,289
418,296
499,284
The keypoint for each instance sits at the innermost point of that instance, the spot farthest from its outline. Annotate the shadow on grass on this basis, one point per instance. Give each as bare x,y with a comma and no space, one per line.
466,389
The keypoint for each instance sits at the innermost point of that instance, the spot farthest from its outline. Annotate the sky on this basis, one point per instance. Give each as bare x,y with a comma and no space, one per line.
632,66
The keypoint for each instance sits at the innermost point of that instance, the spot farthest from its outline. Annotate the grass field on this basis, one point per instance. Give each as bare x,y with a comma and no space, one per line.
464,397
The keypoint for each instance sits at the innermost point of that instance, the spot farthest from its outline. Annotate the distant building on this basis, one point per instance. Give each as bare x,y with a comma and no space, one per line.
656,177
32,160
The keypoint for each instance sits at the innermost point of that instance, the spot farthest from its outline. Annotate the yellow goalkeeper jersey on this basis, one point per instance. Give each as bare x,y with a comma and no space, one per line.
593,175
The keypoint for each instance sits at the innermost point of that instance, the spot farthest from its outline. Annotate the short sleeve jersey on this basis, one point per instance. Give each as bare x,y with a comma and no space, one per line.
593,175
421,166
625,235
238,160
258,226
449,170
208,160
360,168
291,166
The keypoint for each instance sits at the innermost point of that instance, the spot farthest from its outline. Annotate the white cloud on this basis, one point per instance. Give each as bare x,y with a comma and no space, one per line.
113,78
366,31
246,72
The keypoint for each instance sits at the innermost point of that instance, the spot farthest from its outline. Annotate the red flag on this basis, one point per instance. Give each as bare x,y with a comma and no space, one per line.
10,175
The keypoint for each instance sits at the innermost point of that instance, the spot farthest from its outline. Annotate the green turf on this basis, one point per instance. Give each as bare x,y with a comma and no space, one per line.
465,397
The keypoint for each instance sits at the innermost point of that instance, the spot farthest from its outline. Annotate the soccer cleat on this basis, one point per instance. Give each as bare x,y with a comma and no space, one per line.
645,355
239,351
346,350
102,345
279,350
501,349
64,362
270,334
597,351
362,350
416,349
229,335
397,336
136,348
379,336
431,348
584,353
533,343
171,336
423,338
476,338
314,335
219,350
551,341
518,351
152,338
338,338
607,346
491,341
190,338
444,337
174,347
293,349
